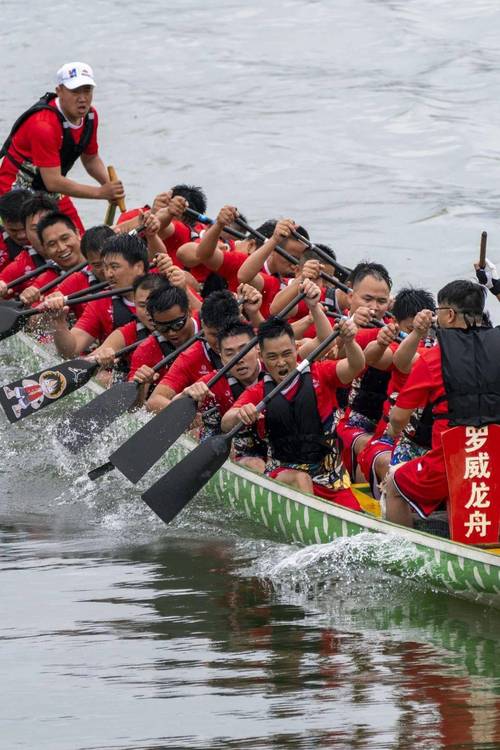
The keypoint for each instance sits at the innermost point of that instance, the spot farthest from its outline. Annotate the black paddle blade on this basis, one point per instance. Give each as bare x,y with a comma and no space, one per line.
16,304
168,496
95,416
135,457
28,395
10,321
100,471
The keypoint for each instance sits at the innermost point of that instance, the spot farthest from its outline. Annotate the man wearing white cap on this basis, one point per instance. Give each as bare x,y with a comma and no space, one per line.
47,139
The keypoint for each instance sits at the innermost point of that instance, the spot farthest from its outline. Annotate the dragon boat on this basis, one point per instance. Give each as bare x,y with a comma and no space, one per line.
294,517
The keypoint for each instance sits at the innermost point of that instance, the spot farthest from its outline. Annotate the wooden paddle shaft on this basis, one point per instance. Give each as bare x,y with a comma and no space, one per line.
114,177
482,250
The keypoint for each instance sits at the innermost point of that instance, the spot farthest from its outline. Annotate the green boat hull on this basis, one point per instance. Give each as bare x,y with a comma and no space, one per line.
303,519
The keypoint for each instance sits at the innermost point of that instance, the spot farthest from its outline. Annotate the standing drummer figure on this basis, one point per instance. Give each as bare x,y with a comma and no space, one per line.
49,137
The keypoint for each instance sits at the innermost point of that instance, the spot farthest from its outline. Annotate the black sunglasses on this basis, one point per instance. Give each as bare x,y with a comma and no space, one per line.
171,325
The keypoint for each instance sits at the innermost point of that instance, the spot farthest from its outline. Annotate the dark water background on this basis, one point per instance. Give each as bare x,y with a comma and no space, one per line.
374,124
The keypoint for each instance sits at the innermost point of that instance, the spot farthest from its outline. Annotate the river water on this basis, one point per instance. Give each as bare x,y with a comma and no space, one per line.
374,124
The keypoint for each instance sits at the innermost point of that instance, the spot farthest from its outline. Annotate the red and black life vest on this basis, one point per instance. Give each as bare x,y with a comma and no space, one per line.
121,312
294,427
70,151
13,249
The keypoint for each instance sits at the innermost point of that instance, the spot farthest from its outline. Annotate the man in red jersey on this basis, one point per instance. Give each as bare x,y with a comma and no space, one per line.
369,299
374,459
458,394
12,230
48,138
125,259
202,356
299,422
248,448
265,269
32,256
61,243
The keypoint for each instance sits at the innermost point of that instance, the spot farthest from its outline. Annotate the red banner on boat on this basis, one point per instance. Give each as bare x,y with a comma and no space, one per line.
472,459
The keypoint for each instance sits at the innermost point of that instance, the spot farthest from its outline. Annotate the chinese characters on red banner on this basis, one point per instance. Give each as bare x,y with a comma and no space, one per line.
472,459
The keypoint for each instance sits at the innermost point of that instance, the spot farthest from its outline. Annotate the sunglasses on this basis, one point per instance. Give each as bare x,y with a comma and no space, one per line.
171,325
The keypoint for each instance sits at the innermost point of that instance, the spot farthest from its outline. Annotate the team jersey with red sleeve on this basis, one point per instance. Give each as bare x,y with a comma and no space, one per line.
27,260
97,318
231,262
190,366
9,250
272,285
425,385
150,352
44,278
38,142
182,234
325,383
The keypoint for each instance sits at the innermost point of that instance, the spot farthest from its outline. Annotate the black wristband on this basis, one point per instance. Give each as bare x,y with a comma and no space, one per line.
495,287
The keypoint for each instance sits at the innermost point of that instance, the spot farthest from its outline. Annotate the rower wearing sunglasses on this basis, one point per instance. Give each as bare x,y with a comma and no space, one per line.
173,324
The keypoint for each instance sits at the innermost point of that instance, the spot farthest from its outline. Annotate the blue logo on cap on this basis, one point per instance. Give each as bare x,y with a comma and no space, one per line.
73,73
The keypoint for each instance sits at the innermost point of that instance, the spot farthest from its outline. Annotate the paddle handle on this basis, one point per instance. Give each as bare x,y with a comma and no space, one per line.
324,256
203,219
482,249
92,287
290,258
287,380
55,282
173,355
98,295
80,300
114,178
29,275
127,349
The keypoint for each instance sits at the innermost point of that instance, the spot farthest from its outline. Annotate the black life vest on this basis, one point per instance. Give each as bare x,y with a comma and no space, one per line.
70,151
92,278
165,346
470,364
121,312
331,301
13,249
371,393
212,355
37,258
294,427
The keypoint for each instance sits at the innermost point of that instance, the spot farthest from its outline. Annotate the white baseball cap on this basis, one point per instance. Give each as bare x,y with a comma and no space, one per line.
75,74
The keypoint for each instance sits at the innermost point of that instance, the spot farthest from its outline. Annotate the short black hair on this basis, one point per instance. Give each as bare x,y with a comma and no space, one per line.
149,281
55,217
465,297
409,301
129,246
94,238
267,229
37,202
196,198
367,268
274,327
218,308
11,205
166,296
213,283
235,328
